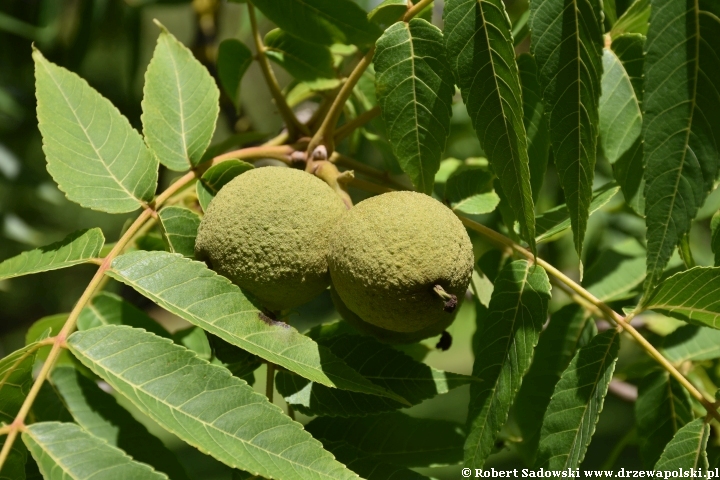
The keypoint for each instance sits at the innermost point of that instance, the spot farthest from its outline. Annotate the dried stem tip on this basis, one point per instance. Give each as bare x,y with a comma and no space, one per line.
451,301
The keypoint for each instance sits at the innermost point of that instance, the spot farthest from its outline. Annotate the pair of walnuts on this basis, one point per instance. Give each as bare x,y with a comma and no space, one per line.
396,261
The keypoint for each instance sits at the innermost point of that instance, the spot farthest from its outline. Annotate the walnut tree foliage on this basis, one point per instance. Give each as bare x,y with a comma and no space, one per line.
577,140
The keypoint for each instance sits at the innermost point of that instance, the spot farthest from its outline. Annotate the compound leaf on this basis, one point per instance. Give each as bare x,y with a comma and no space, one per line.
663,406
687,450
379,363
414,88
217,177
65,451
553,353
233,60
203,404
179,227
692,343
93,153
691,296
321,21
681,126
180,104
106,308
557,219
192,291
76,248
576,403
503,345
480,50
567,45
303,60
395,438
99,414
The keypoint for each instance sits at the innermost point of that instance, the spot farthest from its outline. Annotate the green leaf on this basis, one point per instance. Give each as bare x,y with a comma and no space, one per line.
466,181
478,204
395,438
15,382
368,466
99,414
47,327
503,345
180,104
379,363
617,271
241,363
567,44
414,88
557,219
76,248
715,239
65,451
620,116
303,60
663,406
576,403
179,227
195,340
203,404
217,177
681,126
535,121
553,353
233,60
192,291
321,21
687,449
629,49
634,20
106,308
480,50
691,343
48,406
691,296
93,153
388,12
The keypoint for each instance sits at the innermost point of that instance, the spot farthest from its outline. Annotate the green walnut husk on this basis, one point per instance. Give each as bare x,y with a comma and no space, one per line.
383,335
389,253
267,231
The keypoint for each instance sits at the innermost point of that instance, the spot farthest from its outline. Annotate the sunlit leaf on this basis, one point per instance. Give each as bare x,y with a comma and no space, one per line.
99,414
301,59
629,49
693,343
634,20
662,408
179,227
377,362
576,403
388,12
414,89
216,177
687,449
478,204
535,121
567,45
553,353
321,21
616,272
692,296
681,126
93,153
76,248
65,451
395,438
106,308
192,291
203,404
234,58
557,219
503,345
180,104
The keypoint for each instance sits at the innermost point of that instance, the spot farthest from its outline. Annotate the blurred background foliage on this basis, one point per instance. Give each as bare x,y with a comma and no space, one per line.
109,43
